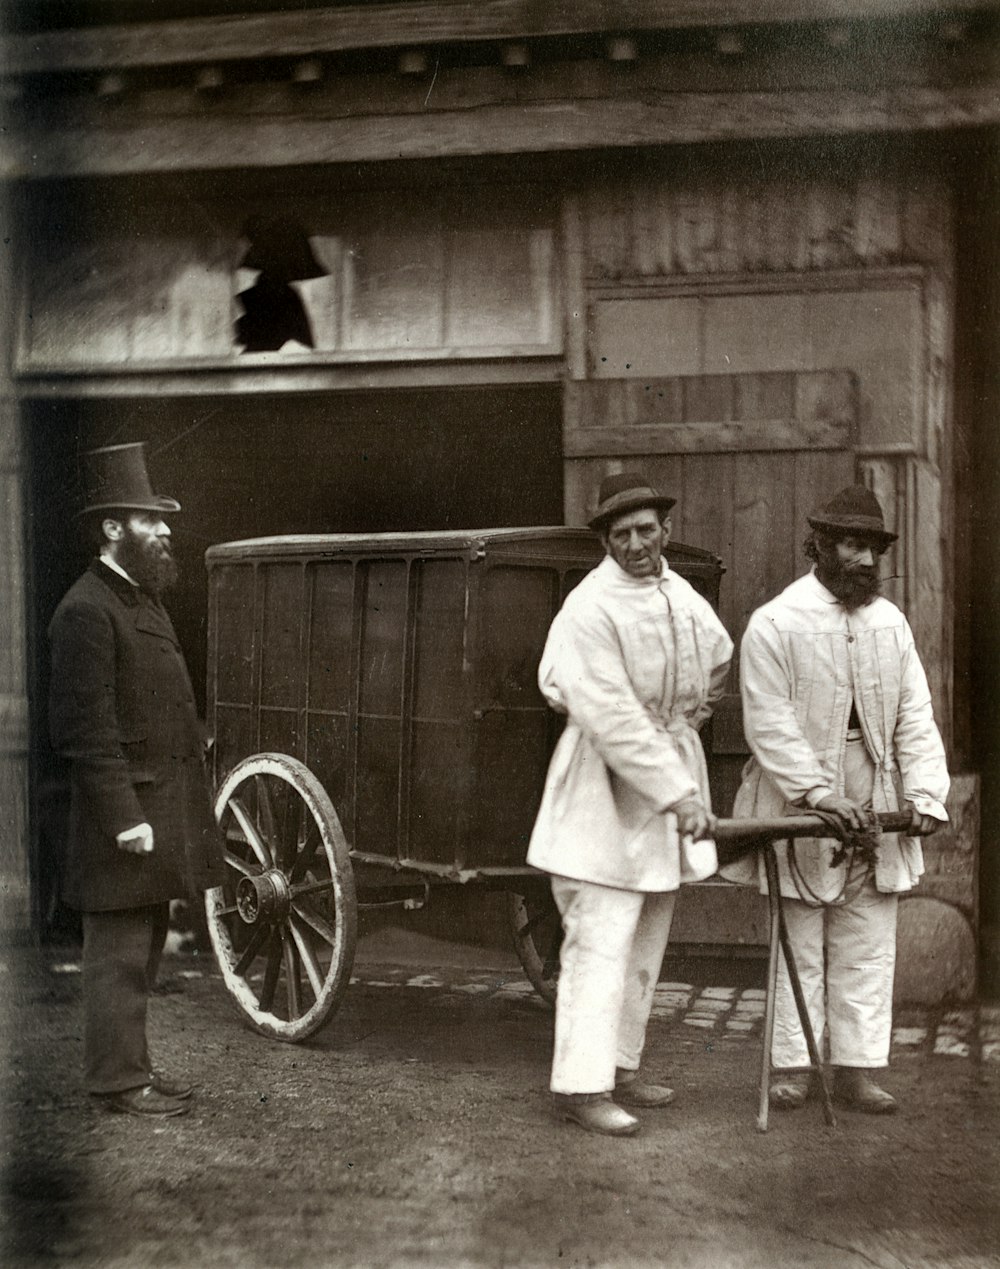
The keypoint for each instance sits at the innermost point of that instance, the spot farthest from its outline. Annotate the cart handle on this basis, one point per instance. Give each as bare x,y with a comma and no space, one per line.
736,838
756,832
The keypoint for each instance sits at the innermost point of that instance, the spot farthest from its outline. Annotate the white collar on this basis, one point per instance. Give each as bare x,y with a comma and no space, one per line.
620,575
117,568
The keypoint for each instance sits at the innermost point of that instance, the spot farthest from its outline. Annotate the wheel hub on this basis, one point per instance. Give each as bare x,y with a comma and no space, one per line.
265,898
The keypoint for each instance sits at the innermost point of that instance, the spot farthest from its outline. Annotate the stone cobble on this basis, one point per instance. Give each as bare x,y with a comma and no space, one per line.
971,1032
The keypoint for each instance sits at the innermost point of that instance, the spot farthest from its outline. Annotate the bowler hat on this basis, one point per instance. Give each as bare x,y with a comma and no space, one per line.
854,510
626,491
115,477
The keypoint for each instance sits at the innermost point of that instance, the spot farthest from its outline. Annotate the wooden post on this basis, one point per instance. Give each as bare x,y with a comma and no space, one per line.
15,870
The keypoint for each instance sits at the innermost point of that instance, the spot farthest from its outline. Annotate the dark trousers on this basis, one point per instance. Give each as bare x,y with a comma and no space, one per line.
121,954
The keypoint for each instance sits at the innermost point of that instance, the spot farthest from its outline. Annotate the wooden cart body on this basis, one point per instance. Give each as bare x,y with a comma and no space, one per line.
400,671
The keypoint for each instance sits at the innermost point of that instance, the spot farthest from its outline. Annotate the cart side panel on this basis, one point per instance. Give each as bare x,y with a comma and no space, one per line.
515,728
440,715
282,657
232,649
330,592
380,706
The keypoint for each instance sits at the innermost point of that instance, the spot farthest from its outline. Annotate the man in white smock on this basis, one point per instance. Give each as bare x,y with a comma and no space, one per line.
635,659
837,713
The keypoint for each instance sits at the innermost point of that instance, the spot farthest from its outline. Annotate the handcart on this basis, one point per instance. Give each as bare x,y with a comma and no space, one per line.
379,733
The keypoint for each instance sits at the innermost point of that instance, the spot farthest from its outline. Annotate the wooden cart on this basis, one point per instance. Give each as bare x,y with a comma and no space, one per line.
379,732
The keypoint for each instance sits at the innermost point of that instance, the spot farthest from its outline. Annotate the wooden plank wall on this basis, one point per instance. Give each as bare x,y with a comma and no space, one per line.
124,278
725,222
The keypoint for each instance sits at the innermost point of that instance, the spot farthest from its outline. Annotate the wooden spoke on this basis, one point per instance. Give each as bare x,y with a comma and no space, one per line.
251,832
317,923
272,971
265,817
306,955
534,923
306,854
292,983
248,870
249,954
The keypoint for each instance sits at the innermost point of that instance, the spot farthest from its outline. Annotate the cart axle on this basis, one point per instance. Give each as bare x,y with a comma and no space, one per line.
264,899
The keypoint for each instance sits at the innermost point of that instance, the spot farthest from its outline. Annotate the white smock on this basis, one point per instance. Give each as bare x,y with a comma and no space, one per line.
636,664
804,660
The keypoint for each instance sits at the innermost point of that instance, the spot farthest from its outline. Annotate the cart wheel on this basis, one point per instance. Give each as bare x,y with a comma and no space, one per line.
284,923
538,934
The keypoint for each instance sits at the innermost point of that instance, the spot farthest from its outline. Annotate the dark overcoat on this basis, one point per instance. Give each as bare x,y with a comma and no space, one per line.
122,711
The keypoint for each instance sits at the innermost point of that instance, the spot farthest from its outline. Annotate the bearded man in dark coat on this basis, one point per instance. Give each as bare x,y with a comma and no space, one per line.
141,827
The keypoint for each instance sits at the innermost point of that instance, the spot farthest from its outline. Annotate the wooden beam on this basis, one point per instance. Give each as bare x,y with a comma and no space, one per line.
239,379
213,141
352,27
696,415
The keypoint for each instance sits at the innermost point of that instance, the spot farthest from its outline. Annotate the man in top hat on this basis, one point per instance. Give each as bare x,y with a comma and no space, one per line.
635,659
837,713
141,828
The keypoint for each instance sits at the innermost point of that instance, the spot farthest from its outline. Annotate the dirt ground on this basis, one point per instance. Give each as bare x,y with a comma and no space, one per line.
416,1130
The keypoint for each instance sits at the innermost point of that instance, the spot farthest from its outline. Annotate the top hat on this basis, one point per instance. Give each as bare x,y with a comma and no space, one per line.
854,510
626,491
280,247
115,477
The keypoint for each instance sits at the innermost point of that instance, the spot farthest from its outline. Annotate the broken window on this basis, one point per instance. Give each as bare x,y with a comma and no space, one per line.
273,312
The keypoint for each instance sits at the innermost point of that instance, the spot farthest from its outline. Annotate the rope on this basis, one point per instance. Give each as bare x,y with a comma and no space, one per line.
856,848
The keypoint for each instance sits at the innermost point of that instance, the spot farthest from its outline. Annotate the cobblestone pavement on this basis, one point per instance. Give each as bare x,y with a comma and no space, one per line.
731,1014
728,1013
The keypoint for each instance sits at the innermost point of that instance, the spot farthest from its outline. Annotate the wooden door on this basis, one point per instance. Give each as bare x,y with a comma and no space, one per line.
747,456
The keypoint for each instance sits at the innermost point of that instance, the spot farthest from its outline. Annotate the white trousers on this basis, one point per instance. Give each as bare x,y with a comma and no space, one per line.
846,958
612,953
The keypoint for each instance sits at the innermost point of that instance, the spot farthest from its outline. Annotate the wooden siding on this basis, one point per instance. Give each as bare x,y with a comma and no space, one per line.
415,274
701,275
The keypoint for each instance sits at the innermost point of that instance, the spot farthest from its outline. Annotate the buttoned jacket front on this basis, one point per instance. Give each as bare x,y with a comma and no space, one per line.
123,713
803,661
636,665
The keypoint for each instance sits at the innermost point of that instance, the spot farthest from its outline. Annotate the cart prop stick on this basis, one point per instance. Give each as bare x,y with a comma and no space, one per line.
736,838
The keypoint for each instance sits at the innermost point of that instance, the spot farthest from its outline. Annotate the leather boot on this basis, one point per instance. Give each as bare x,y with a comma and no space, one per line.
168,1087
854,1089
145,1102
790,1089
596,1112
632,1090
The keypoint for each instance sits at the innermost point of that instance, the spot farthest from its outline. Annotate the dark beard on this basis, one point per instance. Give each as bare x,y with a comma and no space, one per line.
150,563
853,587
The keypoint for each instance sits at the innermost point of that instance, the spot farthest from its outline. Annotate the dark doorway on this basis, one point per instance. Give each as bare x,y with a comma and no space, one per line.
255,466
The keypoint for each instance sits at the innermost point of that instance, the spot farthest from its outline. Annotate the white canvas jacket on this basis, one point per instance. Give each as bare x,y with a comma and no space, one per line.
636,664
803,659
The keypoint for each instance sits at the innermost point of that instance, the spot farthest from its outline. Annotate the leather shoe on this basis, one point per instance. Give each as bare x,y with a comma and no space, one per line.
632,1090
854,1089
170,1088
790,1090
144,1101
596,1112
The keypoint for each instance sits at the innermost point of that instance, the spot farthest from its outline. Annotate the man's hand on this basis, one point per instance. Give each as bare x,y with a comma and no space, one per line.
922,825
693,819
137,841
851,814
